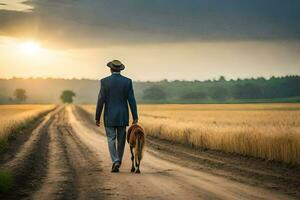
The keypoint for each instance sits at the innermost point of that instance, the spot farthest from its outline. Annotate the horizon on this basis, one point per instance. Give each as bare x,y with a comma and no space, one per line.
161,80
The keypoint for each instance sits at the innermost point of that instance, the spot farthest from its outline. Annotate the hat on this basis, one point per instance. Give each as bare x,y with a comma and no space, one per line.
116,65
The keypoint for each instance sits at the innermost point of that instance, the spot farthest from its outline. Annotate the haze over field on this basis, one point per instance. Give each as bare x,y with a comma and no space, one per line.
156,39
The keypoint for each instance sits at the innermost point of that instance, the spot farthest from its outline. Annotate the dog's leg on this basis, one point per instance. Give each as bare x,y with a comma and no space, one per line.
137,164
138,169
132,160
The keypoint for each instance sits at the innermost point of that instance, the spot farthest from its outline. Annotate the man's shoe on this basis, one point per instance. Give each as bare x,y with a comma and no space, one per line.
115,168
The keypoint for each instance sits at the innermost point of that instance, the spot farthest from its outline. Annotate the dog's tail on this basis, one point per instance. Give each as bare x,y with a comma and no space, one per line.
140,143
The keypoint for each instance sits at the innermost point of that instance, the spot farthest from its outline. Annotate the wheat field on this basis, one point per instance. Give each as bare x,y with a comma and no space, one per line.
14,117
268,131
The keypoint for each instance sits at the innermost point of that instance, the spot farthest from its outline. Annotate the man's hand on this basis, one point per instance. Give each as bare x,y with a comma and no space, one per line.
97,123
135,121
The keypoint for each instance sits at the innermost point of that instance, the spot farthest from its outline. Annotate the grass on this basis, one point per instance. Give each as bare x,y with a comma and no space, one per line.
6,181
14,118
268,131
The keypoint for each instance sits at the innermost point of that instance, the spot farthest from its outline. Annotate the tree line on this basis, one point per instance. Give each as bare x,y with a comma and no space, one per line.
285,88
221,90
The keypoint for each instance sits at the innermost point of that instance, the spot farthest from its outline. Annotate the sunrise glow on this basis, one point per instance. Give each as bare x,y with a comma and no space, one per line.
30,47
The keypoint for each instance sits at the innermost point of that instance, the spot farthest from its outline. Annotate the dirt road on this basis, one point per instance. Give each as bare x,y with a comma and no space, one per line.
66,157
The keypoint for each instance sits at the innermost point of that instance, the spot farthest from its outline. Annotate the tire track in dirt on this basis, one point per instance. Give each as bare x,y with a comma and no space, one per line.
18,139
59,181
27,167
74,172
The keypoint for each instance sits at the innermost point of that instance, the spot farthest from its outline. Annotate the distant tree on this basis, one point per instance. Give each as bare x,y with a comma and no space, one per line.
164,81
20,95
154,93
222,78
219,93
261,79
67,96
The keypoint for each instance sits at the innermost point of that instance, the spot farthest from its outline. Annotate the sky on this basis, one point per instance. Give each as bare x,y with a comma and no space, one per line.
157,39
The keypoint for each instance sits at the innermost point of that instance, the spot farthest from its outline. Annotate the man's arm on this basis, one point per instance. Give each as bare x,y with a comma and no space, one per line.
132,103
100,103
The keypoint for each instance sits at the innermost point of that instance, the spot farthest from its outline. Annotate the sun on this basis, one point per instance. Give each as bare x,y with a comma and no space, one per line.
30,47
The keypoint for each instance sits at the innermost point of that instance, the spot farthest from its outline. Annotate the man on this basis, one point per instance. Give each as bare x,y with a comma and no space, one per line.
115,94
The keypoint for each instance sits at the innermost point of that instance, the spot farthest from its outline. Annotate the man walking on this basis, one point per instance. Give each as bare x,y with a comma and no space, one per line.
115,94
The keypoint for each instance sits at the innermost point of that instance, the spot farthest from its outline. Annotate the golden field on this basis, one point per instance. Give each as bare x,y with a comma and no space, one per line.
269,131
13,117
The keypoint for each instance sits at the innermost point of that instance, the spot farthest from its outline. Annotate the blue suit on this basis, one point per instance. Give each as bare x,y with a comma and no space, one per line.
115,94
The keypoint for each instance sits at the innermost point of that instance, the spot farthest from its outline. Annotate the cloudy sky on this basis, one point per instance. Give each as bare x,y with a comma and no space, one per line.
157,39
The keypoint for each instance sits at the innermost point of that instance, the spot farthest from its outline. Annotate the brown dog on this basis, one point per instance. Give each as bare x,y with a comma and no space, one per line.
136,140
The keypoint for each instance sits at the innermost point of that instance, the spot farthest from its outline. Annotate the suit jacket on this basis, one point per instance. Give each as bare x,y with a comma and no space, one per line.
116,92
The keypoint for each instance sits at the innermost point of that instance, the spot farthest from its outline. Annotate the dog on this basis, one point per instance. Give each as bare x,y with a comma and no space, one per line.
136,141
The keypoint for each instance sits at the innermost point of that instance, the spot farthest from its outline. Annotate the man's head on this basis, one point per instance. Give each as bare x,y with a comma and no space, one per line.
115,66
114,70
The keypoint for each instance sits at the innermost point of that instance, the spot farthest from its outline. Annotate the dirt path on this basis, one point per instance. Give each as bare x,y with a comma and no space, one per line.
73,170
67,158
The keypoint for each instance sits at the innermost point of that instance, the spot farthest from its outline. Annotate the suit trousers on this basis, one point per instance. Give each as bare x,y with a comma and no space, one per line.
116,149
